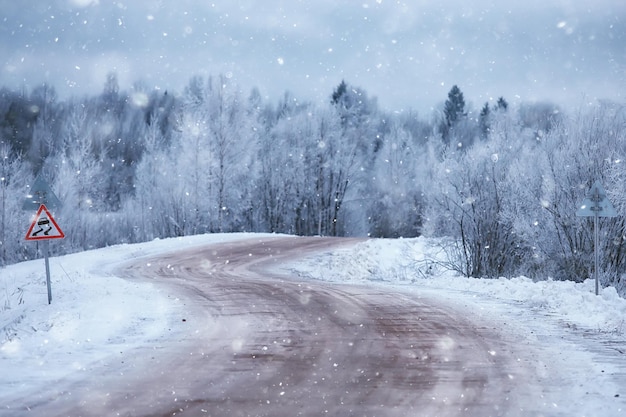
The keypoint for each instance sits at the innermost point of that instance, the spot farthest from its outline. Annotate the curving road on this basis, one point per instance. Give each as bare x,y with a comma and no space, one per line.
250,342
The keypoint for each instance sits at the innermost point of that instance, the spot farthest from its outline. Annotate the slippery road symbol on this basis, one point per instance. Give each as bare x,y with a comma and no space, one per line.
41,223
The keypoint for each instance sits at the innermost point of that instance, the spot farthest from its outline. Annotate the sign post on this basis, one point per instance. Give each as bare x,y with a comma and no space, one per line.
596,205
43,227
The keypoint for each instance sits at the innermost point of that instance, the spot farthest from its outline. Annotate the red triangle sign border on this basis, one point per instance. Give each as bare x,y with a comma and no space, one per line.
31,236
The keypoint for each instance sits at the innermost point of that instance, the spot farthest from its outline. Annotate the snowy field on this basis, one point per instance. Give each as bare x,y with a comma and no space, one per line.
579,338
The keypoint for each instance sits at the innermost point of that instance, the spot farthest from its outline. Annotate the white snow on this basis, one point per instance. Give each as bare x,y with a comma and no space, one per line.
577,339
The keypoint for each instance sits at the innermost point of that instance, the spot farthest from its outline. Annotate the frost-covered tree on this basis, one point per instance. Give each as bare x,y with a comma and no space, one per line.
614,133
333,167
467,200
149,213
397,208
539,117
284,180
468,196
359,141
46,129
569,167
307,165
193,180
214,145
15,176
232,137
76,173
553,175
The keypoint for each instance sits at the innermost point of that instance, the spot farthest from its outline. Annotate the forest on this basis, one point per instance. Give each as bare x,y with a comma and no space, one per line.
496,186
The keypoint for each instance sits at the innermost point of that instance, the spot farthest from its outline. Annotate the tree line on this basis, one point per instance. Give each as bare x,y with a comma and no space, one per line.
498,186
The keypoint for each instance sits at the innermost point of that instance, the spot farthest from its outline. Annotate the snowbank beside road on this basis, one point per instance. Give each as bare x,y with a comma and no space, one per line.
93,315
415,263
574,340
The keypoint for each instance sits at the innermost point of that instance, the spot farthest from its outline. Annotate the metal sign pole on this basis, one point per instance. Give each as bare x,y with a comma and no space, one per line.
596,243
48,284
597,205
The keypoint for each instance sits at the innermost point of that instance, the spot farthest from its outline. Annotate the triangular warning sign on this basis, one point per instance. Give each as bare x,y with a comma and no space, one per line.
596,204
44,226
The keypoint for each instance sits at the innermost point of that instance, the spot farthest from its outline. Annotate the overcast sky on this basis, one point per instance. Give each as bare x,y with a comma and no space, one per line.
408,54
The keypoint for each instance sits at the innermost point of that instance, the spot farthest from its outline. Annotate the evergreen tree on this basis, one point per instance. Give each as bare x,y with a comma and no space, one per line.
453,110
339,92
484,122
502,105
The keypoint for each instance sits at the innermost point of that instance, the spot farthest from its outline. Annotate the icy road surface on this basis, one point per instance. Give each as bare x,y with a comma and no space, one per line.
250,342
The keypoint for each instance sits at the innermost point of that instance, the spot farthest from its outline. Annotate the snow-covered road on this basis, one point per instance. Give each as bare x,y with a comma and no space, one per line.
255,344
228,329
